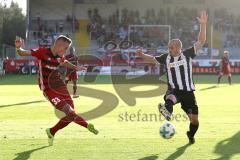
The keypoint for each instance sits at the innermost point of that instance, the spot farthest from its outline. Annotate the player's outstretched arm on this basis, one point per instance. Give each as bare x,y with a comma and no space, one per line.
146,57
68,64
18,44
203,19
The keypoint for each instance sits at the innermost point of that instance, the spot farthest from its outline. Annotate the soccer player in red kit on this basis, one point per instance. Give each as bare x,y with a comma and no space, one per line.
72,73
225,68
50,82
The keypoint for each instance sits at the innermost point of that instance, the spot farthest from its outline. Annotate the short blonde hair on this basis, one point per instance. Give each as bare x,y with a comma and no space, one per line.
64,38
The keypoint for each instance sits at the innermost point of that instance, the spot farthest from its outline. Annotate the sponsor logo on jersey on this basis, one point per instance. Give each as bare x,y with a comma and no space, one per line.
177,64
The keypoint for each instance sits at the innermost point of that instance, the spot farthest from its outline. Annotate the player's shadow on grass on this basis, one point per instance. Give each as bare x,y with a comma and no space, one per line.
178,153
211,87
229,147
23,103
152,157
26,154
208,88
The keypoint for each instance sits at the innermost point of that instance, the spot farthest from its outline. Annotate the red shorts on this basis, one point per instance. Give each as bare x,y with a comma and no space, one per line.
59,97
226,72
72,76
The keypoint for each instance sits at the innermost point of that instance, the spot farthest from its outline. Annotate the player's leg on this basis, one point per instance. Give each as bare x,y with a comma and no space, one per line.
68,109
230,79
62,101
67,79
73,117
219,78
57,100
75,88
74,78
52,131
193,127
167,109
62,123
189,105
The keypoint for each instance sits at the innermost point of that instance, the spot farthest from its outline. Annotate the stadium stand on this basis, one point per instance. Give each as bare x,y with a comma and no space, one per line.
90,24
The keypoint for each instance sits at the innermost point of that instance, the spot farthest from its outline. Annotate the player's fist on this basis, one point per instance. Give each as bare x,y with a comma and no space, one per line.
19,42
139,52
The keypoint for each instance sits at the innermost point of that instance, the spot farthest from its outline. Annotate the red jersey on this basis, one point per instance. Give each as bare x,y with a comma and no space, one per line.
48,75
73,59
225,65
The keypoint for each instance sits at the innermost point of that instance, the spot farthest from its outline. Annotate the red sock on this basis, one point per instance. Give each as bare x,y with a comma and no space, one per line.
61,124
80,121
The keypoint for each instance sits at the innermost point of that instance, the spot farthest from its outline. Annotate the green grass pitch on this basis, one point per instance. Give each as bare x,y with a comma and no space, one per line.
25,114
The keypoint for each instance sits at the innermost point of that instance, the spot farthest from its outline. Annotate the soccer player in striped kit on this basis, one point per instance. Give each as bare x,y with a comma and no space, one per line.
181,88
53,87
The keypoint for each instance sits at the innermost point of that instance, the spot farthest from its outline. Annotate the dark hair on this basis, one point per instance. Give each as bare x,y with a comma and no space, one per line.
64,39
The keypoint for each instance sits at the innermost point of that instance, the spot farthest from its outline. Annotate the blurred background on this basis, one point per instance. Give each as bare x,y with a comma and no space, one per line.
92,23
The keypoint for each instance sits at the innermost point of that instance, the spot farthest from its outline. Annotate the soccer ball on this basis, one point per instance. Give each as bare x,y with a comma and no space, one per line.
167,130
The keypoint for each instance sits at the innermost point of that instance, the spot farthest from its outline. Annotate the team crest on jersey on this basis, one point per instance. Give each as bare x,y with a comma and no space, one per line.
176,64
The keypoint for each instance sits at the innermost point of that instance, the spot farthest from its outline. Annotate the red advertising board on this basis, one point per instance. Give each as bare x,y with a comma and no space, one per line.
14,65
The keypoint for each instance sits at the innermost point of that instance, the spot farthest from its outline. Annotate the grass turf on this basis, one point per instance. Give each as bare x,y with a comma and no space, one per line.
130,133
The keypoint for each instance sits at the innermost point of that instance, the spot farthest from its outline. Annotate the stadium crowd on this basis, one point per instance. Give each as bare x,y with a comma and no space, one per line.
115,27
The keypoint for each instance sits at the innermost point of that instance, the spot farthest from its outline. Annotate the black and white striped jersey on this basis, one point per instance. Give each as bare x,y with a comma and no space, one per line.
179,69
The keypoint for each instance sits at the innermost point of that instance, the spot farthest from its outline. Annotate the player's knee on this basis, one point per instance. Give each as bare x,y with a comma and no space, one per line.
195,122
171,97
68,109
71,116
194,119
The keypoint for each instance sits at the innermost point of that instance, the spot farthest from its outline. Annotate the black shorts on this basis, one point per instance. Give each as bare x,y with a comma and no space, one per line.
187,100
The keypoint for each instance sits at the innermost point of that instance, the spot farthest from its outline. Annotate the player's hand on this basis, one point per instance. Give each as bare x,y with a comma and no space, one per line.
203,19
81,68
139,52
19,42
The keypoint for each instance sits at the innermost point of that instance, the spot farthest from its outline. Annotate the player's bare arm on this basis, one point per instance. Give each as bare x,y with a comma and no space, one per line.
20,51
203,28
73,58
68,64
146,57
